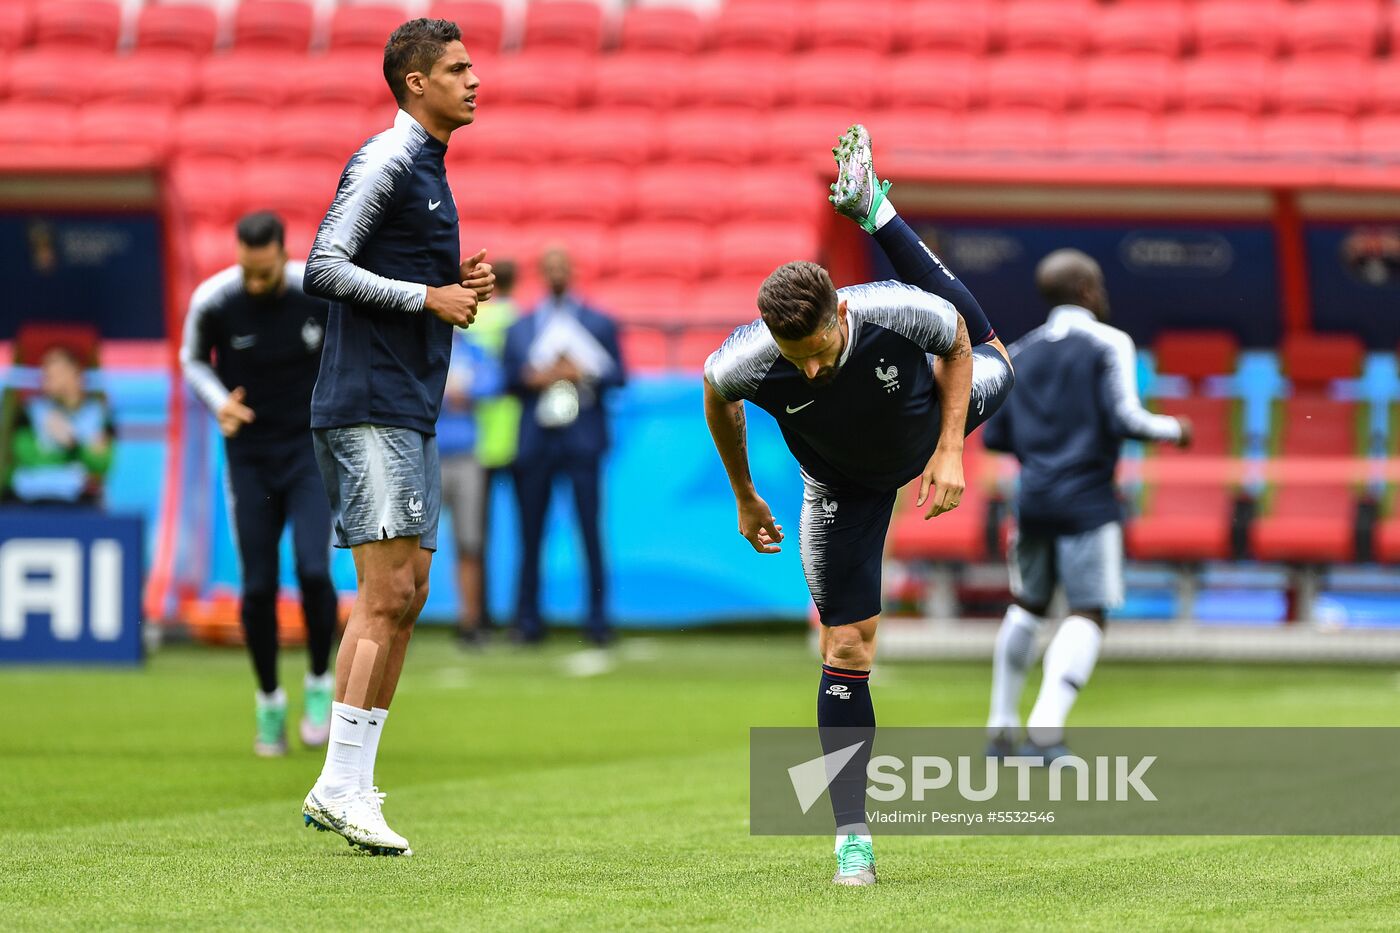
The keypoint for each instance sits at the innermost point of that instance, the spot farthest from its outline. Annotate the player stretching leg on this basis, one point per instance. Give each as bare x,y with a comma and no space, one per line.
1079,402
847,375
387,257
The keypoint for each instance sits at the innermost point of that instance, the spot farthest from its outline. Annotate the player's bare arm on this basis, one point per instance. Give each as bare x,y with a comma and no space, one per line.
729,429
942,483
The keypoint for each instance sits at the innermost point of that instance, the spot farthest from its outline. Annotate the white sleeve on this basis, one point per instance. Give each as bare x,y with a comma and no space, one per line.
923,317
1118,393
737,368
197,342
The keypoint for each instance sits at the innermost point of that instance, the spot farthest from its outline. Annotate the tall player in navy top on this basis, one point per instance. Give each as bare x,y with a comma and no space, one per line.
387,258
873,386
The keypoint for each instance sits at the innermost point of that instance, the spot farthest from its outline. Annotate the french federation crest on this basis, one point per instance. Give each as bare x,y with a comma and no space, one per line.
312,333
888,375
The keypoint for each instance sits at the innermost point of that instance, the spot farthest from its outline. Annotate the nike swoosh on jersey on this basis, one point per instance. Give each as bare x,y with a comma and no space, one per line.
793,411
433,205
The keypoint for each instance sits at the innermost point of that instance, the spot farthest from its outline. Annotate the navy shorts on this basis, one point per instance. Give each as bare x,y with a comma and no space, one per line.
842,539
383,482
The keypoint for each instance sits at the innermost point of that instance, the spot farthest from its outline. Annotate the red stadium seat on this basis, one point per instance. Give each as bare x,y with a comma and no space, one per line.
589,245
36,123
165,77
259,77
1329,30
959,535
1112,133
1383,95
646,79
1210,134
918,130
139,124
723,305
683,192
1233,27
1308,135
564,24
317,132
948,27
541,79
736,138
645,349
482,23
1322,86
1032,82
47,75
796,135
756,249
350,78
207,190
186,27
1146,84
676,251
759,25
295,188
512,134
860,75
1196,355
1310,522
858,25
15,25
213,248
776,194
273,25
502,189
1150,30
73,24
1240,85
731,79
660,302
945,81
670,29
1045,26
364,27
593,193
216,133
1021,132
625,137
1379,136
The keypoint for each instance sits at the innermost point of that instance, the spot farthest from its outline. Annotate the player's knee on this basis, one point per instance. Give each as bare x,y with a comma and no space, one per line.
847,646
393,596
259,600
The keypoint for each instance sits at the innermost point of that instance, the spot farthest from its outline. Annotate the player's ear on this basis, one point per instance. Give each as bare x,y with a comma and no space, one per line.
841,310
417,83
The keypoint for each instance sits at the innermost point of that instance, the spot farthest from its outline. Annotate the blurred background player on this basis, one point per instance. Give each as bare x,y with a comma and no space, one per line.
1066,424
872,385
561,361
387,257
264,335
474,378
62,441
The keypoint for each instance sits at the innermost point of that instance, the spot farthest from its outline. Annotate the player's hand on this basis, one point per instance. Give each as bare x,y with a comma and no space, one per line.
477,275
566,368
455,304
757,526
233,414
942,484
1188,432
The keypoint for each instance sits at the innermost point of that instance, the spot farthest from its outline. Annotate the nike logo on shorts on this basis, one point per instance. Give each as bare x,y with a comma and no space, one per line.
793,411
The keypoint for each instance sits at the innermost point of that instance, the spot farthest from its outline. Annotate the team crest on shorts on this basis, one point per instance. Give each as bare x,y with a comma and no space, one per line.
888,375
415,508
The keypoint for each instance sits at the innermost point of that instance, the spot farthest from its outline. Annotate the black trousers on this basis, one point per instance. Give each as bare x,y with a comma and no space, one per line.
534,484
267,487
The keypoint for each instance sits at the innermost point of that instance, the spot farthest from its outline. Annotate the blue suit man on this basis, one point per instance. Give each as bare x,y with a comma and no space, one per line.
549,363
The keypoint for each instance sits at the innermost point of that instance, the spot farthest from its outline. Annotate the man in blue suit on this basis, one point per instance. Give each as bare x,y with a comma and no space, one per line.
561,361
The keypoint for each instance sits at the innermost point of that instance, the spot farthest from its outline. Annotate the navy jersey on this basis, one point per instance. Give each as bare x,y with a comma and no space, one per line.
876,424
1076,403
389,234
270,346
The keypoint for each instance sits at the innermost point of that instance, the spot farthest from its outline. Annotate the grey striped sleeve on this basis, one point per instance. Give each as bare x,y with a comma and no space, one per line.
364,197
1119,394
196,343
737,368
923,317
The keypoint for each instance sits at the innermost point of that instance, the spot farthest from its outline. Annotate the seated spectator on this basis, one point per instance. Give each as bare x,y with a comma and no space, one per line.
62,439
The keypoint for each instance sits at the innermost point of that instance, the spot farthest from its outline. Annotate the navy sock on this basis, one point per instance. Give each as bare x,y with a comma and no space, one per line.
915,264
846,716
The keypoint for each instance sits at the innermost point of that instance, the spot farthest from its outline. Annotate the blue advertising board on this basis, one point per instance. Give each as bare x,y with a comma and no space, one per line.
70,587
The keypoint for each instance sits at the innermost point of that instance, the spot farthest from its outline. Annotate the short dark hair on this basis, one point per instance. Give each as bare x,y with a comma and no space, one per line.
505,276
796,299
414,46
261,228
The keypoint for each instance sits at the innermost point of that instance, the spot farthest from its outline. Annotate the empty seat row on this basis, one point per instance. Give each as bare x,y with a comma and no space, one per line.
1314,27
536,85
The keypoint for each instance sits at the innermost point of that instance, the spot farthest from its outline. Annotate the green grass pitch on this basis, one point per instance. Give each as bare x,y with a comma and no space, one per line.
540,799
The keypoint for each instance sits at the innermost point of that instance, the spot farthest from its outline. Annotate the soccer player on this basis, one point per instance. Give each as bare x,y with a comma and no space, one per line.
1078,401
387,257
872,385
264,333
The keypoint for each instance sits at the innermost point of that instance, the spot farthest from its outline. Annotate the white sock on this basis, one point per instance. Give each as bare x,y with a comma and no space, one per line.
274,699
1013,656
1069,660
371,747
884,213
859,830
341,775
